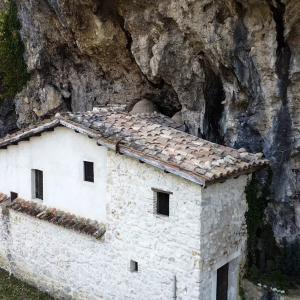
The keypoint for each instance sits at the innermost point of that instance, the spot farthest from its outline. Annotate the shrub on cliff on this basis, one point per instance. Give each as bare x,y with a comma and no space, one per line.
13,73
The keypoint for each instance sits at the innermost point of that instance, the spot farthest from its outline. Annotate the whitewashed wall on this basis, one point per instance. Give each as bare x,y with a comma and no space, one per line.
72,265
185,248
60,155
4,241
223,234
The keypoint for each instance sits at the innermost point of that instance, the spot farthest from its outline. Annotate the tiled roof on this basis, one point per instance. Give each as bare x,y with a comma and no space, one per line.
59,217
3,198
156,140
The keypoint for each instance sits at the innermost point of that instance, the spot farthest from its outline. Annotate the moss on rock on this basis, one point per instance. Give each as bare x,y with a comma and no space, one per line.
13,72
267,262
257,199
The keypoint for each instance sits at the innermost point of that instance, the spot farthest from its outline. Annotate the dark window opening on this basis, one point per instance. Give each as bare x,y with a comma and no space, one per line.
222,283
88,171
163,203
134,267
13,196
38,184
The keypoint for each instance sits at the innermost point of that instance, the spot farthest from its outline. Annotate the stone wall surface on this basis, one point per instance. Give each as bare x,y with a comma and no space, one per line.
223,220
78,267
171,252
4,245
223,234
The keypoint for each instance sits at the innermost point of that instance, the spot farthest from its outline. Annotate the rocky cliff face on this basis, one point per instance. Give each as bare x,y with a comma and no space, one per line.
231,67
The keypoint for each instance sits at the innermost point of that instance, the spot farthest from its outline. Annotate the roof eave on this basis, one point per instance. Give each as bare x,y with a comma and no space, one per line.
117,146
238,173
23,136
173,169
110,144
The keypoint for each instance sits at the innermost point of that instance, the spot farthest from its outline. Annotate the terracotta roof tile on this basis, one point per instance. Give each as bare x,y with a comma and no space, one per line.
58,217
3,198
156,140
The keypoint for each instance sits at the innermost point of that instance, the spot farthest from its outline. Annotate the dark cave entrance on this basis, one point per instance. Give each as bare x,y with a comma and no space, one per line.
214,95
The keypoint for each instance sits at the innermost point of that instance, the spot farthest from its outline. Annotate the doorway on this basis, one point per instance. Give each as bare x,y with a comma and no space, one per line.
222,283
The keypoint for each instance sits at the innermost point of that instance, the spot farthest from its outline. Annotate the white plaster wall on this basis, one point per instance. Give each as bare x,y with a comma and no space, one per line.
204,229
223,234
72,265
165,244
4,239
60,155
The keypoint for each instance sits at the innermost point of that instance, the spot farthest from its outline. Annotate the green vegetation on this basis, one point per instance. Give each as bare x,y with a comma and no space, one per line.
267,263
13,73
271,279
257,199
14,289
241,292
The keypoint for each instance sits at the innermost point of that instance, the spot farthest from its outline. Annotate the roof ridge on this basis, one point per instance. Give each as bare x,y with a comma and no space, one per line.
154,139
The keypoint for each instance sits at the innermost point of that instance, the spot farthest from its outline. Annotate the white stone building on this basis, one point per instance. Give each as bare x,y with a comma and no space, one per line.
106,205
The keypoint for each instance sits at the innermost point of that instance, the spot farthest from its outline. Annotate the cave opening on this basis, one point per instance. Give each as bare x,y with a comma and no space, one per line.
214,96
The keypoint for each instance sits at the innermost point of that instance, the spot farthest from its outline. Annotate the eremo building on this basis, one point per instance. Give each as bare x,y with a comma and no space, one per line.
108,205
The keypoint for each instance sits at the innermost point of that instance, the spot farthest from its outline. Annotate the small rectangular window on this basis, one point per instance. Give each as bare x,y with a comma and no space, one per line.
37,184
13,196
88,171
163,203
134,267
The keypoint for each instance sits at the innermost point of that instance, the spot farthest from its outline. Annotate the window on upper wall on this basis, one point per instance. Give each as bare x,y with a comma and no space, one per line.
162,202
88,169
37,184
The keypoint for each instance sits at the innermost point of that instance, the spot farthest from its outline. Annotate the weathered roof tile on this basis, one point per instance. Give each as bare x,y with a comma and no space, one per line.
155,139
3,198
58,217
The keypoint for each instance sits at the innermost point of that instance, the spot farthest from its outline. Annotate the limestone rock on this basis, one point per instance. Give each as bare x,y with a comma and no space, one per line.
8,117
143,107
297,214
178,118
82,50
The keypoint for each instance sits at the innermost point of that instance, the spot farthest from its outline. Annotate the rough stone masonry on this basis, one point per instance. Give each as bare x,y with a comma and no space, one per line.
205,226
